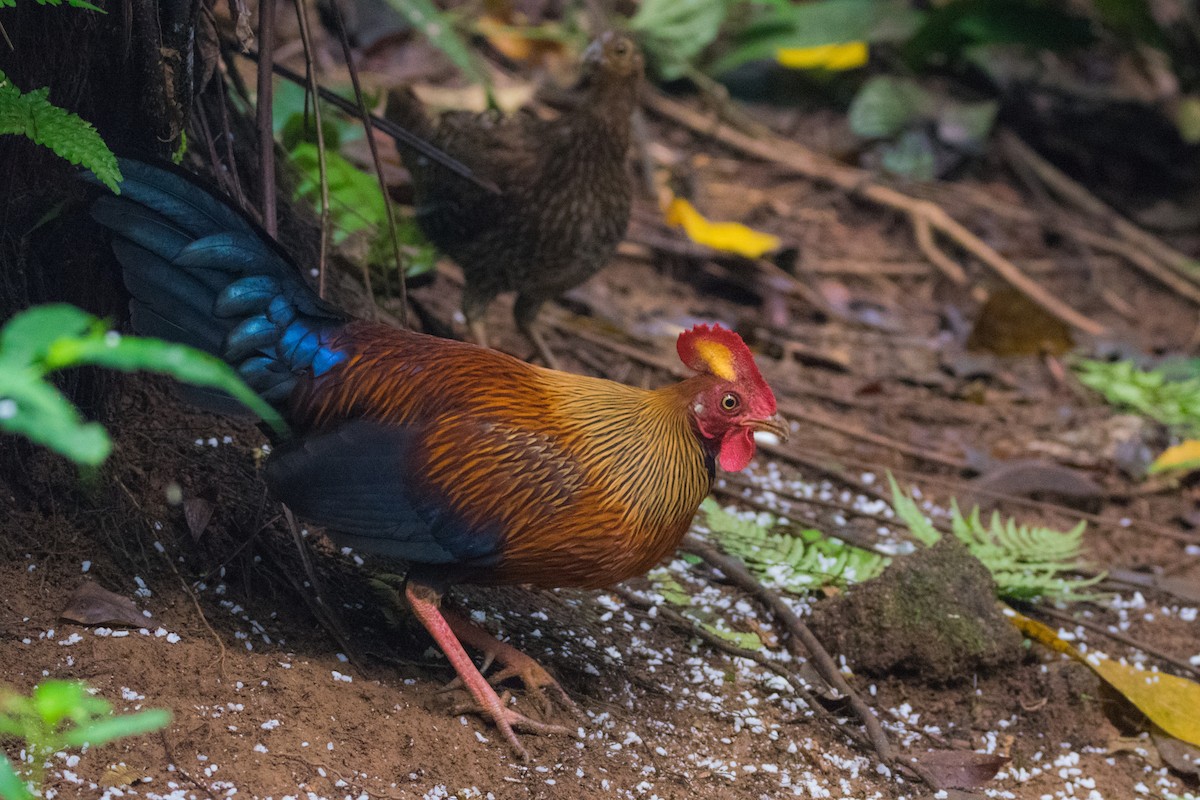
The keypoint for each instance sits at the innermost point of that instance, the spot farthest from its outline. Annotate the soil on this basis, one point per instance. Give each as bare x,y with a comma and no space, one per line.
281,689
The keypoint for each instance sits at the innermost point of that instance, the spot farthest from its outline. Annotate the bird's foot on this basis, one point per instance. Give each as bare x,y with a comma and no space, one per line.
537,681
510,722
424,597
514,664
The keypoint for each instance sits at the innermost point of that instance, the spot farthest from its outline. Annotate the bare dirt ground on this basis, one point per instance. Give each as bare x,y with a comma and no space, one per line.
267,703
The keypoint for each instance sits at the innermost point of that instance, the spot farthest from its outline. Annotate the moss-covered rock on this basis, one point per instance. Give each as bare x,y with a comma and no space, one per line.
931,615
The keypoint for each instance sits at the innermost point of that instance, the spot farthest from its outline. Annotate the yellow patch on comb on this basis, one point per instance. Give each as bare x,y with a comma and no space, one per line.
718,358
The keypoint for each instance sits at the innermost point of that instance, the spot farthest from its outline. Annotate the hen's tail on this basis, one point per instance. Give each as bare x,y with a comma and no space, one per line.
203,275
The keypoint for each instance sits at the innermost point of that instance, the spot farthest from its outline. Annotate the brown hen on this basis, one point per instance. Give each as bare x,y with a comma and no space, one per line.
565,192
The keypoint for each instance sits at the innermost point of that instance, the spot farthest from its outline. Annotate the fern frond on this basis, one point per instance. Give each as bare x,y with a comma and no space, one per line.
31,114
793,562
1025,561
908,512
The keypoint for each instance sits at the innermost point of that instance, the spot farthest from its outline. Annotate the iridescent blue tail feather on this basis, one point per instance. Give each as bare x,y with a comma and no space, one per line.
203,275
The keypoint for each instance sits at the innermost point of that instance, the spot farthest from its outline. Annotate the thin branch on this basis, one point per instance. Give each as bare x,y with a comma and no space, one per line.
948,266
263,118
323,176
801,636
390,128
1078,196
369,129
1117,636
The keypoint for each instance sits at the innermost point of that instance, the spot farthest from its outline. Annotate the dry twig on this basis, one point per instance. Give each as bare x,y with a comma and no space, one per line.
803,641
1116,636
859,182
1078,196
693,628
323,177
266,135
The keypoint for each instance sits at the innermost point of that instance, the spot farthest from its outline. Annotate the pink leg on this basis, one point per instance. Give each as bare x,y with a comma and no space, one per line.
516,664
424,600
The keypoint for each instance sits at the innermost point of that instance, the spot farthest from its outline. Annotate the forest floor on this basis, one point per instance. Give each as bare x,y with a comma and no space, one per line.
267,703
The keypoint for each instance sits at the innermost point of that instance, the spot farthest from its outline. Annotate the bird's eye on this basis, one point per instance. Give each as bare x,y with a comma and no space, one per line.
730,401
620,48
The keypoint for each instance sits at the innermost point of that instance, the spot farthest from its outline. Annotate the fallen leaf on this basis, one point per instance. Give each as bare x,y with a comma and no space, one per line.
729,237
961,769
521,43
850,55
118,775
92,604
1170,702
1038,479
1183,457
1180,756
197,512
1010,324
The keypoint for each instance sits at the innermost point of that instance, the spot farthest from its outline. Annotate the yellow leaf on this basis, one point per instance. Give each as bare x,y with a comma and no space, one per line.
850,55
1170,702
730,237
1185,456
519,42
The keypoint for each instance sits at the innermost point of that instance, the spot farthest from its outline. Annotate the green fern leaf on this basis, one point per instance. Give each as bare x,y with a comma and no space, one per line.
1026,561
31,114
787,559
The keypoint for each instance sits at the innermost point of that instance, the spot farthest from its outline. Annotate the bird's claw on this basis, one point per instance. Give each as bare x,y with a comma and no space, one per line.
457,683
539,683
510,722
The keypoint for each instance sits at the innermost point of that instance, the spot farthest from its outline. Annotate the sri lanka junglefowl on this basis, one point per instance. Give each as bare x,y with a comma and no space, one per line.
468,464
564,196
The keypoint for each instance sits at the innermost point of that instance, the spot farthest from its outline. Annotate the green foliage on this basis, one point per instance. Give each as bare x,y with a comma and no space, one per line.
1149,392
41,340
1026,562
674,32
902,110
677,594
72,3
31,114
887,106
358,209
56,716
796,562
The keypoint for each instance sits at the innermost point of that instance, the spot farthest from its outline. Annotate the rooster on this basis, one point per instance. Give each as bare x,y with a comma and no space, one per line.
468,464
565,193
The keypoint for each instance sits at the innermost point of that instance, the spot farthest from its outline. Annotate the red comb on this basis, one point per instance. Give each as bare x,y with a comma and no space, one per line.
726,352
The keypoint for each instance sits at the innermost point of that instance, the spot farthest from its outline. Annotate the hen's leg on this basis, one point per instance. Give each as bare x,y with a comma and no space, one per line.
525,312
516,664
425,599
474,307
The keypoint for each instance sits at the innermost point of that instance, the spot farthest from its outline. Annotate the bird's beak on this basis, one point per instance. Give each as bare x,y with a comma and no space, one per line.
775,426
594,53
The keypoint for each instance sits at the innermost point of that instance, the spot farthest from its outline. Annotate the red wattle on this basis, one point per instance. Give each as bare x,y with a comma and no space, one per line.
736,450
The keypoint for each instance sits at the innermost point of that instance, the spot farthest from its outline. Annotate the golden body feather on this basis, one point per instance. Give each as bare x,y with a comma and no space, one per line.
588,481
